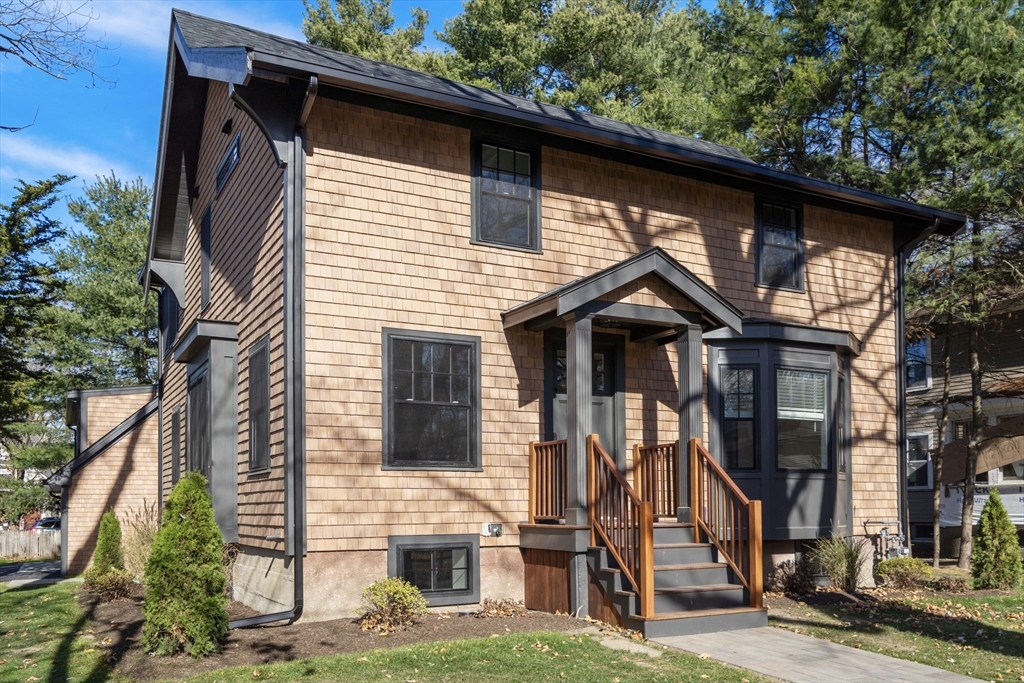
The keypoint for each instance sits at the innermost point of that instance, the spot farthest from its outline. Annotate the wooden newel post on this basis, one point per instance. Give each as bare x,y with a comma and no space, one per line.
532,516
647,559
756,568
693,465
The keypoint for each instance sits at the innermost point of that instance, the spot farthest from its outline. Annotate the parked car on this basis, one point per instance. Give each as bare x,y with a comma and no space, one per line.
46,524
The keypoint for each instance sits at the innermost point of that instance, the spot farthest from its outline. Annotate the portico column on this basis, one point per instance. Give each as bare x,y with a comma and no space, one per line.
579,387
689,345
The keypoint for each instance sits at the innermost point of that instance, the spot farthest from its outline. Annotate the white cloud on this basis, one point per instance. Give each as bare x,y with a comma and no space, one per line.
31,158
146,23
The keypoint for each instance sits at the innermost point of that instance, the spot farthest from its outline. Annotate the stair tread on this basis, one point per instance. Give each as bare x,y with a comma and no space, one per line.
681,545
673,525
692,565
714,612
682,590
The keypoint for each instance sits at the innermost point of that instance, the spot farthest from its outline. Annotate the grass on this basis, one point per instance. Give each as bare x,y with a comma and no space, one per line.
43,637
540,656
976,636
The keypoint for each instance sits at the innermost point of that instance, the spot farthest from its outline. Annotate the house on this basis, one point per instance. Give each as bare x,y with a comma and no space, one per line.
1001,357
114,468
419,328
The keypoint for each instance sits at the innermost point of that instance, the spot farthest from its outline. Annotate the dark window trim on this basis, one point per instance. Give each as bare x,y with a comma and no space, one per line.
476,140
801,261
398,544
228,163
205,256
262,466
757,414
476,434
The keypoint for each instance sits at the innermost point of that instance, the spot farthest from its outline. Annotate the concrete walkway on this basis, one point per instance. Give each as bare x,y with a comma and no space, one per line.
798,658
30,573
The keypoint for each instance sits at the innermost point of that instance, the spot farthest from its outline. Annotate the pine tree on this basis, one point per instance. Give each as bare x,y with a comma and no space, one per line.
108,546
995,559
185,607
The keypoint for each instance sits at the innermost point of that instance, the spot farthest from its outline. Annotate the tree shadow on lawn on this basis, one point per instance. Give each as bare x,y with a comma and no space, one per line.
946,620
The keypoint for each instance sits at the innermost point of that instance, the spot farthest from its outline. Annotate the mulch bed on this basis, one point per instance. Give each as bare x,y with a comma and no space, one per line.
117,627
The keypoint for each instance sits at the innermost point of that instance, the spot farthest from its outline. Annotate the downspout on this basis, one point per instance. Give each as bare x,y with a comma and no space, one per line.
294,163
902,253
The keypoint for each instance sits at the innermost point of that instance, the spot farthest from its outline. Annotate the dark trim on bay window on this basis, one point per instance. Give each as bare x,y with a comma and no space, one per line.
259,406
446,568
424,394
739,410
481,235
770,213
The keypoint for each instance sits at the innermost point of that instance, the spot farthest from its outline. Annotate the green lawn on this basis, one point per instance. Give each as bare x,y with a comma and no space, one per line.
540,656
43,637
979,637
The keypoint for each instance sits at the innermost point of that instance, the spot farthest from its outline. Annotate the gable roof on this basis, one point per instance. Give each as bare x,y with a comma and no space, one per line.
577,294
217,50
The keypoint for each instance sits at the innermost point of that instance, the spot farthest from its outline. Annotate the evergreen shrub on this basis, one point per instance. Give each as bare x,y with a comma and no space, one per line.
185,607
107,577
903,573
391,604
995,558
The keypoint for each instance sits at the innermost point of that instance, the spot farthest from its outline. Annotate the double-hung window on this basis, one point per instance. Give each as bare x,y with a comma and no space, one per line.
431,394
802,419
780,246
506,198
739,417
919,370
919,461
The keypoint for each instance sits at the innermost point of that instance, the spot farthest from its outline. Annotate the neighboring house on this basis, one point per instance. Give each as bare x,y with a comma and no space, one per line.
378,287
114,468
1001,357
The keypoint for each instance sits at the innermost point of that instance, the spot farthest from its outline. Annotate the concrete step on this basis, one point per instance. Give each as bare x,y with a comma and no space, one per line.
699,621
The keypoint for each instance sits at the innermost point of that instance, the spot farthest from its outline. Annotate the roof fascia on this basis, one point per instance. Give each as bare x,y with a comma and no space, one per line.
788,332
199,334
228,64
949,222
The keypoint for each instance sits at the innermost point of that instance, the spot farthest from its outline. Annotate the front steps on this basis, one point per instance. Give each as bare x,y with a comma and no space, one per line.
693,591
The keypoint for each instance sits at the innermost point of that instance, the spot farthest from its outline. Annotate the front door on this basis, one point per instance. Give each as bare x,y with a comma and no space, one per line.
608,409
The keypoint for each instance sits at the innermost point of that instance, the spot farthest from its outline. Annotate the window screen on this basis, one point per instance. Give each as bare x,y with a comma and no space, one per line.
802,427
259,406
780,239
506,206
198,450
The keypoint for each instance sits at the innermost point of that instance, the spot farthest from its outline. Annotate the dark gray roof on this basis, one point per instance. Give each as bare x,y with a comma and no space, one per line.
200,32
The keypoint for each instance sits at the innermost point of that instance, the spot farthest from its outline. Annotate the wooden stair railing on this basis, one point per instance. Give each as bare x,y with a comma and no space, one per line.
623,521
656,475
548,481
728,518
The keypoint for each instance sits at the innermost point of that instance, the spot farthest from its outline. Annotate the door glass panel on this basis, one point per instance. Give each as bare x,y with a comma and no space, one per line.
598,377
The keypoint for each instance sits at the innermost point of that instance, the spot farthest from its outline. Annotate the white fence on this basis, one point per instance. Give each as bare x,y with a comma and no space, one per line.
30,544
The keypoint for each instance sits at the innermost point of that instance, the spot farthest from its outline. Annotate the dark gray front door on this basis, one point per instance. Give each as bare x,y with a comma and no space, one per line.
606,421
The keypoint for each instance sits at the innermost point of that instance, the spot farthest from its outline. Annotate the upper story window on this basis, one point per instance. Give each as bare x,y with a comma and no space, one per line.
506,197
919,364
228,163
431,411
780,246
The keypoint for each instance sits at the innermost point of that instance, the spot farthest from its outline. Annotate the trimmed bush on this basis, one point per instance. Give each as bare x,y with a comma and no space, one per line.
841,559
903,573
185,607
116,584
391,604
793,578
106,561
995,558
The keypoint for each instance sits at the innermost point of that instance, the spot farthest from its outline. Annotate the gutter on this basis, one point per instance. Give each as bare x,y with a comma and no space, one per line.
294,164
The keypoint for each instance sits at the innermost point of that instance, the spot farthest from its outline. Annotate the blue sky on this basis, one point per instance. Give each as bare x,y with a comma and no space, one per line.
87,131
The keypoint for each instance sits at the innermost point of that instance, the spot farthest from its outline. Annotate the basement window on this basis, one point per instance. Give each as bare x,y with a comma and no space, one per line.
445,568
